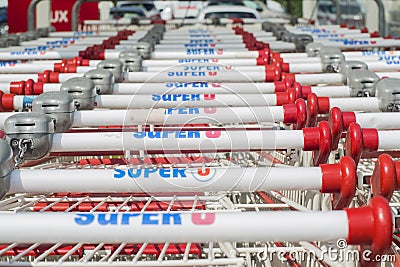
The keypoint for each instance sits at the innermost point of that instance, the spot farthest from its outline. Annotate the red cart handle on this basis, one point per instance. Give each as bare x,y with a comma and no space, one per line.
319,140
385,178
295,114
372,227
316,105
359,140
340,179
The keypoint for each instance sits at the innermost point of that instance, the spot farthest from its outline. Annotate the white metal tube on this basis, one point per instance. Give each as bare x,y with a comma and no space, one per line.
383,65
122,180
333,78
223,61
305,67
86,34
388,74
367,104
237,140
208,67
230,50
35,68
22,102
17,77
92,62
204,53
373,57
388,140
177,102
32,55
194,76
361,43
349,55
184,100
192,88
319,78
178,116
175,88
331,91
381,120
176,46
177,227
171,116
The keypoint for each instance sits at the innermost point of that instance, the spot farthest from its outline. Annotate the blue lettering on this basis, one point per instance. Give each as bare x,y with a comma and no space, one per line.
146,218
139,134
181,134
27,102
182,111
193,134
113,218
186,85
195,97
153,135
119,173
126,217
353,42
194,111
131,173
165,173
148,171
84,218
177,97
179,172
156,97
167,134
166,218
145,173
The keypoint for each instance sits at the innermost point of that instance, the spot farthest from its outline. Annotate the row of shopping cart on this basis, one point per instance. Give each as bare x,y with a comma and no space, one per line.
256,144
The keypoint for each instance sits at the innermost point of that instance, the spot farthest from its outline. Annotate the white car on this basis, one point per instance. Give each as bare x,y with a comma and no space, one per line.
221,11
148,8
271,10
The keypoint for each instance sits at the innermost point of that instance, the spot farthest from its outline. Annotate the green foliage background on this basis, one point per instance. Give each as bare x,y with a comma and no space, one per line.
293,7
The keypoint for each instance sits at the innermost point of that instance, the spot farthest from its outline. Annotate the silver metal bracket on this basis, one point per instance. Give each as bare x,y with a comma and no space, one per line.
362,83
57,105
331,59
313,49
113,65
103,80
388,94
30,135
82,90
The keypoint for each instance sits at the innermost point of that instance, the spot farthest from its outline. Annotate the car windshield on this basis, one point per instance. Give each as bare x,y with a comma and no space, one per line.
147,6
252,4
226,3
344,9
327,8
118,14
350,9
239,15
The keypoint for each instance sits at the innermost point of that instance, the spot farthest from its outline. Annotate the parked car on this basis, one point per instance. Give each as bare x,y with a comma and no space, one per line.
128,12
275,6
221,11
259,6
350,13
3,15
180,9
148,8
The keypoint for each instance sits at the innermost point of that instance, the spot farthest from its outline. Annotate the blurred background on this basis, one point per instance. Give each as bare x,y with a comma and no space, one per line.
357,13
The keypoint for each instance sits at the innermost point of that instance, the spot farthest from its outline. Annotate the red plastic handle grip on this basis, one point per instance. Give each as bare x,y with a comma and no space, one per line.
340,179
371,227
